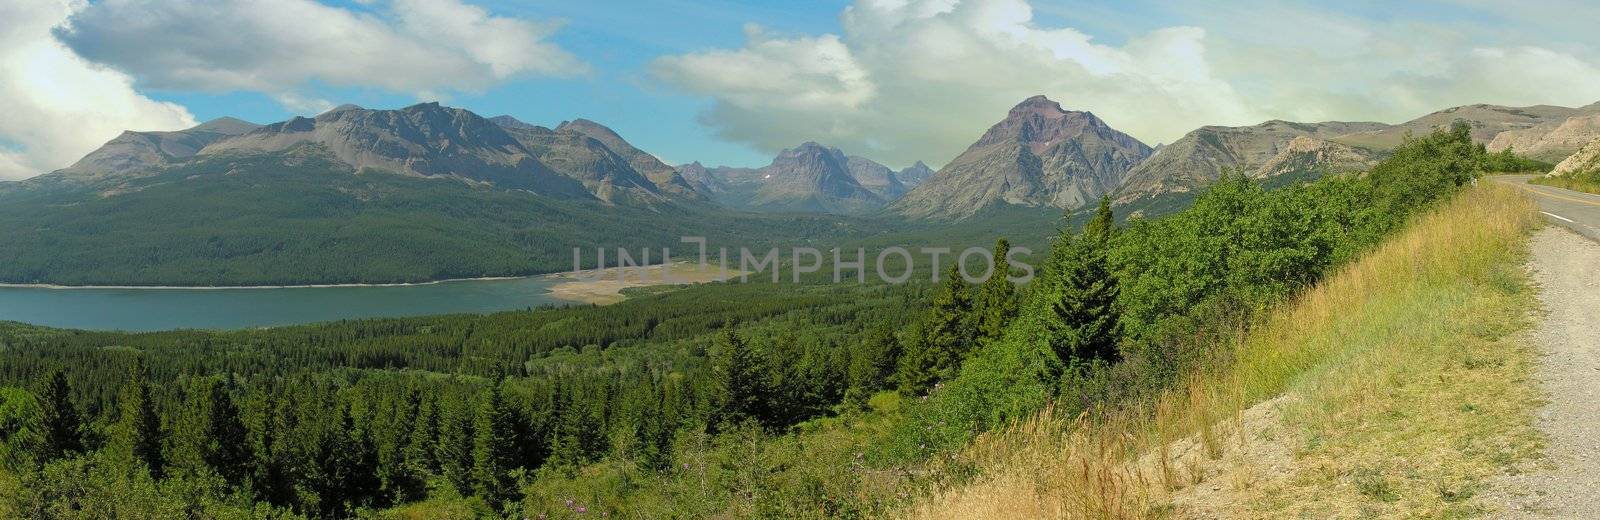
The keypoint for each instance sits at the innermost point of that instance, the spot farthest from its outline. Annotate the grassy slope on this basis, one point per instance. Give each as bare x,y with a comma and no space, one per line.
1397,385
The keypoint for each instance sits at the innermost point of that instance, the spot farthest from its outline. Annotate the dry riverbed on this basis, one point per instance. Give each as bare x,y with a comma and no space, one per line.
605,286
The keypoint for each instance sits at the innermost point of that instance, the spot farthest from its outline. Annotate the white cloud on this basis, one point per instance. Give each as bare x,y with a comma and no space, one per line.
422,47
54,106
920,79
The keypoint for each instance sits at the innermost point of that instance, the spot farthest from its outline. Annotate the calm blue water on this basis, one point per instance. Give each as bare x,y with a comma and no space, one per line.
162,309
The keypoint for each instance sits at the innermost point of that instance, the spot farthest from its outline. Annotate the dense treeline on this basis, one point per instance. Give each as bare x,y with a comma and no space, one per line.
331,419
726,399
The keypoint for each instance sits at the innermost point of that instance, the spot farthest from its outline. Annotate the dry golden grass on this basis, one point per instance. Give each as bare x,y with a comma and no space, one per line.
1588,183
1394,386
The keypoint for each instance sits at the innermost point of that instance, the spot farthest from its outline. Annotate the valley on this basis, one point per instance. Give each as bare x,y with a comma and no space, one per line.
421,349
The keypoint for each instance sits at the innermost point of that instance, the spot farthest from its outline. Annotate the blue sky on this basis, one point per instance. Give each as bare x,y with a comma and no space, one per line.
728,82
618,39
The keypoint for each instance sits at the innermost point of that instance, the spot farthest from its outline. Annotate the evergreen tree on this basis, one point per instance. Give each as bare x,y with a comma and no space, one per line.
350,465
494,448
454,450
996,303
424,436
402,479
59,418
1086,325
136,438
211,433
945,337
22,443
739,381
873,363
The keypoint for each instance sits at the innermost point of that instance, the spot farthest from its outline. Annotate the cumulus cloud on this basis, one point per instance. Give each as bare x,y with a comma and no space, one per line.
920,79
423,47
54,106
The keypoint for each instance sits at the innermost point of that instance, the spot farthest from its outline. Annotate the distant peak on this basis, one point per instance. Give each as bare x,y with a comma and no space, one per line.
342,108
431,105
1042,106
226,125
507,121
589,128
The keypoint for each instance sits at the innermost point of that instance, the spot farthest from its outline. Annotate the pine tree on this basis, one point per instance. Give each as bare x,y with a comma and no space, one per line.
59,418
944,339
1086,325
494,449
740,381
137,436
996,303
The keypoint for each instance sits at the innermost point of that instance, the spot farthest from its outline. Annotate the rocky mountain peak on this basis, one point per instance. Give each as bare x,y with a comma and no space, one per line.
506,121
664,177
1039,155
1038,105
1041,123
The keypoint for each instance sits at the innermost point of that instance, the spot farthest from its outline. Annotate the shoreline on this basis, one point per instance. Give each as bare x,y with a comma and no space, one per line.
587,286
58,287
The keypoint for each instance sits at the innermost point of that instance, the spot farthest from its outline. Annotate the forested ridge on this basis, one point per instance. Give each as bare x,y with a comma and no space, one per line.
793,400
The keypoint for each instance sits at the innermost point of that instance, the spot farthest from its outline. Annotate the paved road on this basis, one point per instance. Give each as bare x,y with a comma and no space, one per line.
1576,210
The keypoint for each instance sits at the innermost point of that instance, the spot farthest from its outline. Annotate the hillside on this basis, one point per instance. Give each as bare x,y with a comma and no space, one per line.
1040,155
134,151
1552,141
355,195
1487,122
1309,157
1200,157
665,178
1586,160
1334,405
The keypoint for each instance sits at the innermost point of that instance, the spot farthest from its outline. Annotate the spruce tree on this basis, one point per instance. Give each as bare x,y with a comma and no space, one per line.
62,426
210,433
494,448
424,435
944,339
873,364
136,437
740,381
1087,325
996,303
454,449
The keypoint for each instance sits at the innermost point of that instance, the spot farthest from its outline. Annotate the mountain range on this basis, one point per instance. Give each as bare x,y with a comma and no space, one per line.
428,191
808,178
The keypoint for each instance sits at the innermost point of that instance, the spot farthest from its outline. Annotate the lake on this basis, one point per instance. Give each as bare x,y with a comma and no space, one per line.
238,308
